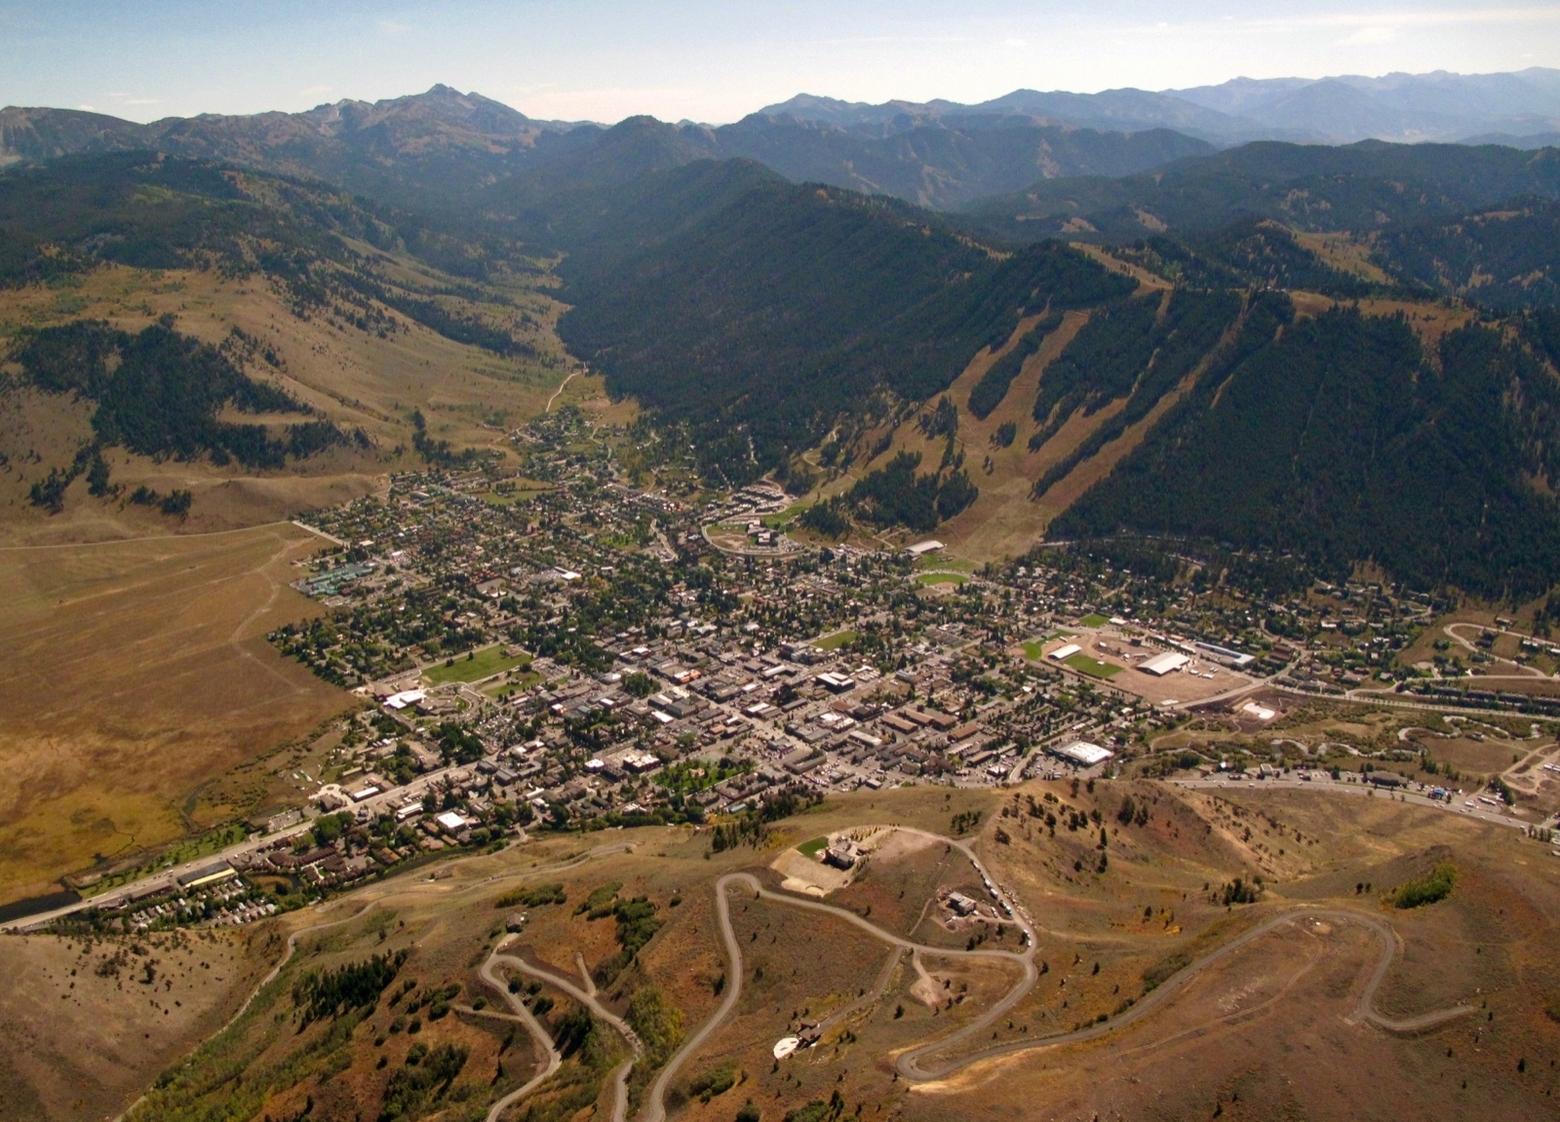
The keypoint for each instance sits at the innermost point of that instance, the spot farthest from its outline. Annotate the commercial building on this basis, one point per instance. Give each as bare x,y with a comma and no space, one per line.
1162,664
1082,753
210,874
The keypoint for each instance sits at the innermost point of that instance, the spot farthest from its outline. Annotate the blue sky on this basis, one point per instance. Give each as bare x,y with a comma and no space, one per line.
715,61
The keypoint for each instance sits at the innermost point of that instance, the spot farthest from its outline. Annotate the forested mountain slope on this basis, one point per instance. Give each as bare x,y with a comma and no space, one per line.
792,307
442,150
1361,187
1167,390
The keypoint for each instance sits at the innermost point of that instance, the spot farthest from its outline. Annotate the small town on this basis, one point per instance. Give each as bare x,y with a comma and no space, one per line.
562,651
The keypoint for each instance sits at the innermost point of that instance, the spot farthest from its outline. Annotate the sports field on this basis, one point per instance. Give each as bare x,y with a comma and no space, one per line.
1093,667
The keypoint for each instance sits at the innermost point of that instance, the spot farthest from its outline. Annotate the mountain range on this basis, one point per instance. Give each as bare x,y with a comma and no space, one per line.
422,149
1339,110
996,321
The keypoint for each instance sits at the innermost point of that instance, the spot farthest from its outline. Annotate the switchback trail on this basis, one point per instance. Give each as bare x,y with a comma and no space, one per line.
588,999
528,1020
919,1064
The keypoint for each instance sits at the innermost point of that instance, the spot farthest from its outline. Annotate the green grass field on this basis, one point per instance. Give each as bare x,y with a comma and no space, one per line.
929,561
1034,649
940,578
515,683
1093,667
474,667
813,848
836,641
1093,619
782,519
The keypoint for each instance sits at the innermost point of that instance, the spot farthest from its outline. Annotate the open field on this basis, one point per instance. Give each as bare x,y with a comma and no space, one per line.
1093,667
835,641
137,673
475,666
930,580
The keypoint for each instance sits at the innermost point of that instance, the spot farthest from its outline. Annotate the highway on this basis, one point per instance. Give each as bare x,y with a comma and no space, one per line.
1323,782
167,878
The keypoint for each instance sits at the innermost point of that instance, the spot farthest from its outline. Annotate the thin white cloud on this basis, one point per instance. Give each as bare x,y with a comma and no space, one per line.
87,108
1419,18
394,27
1015,44
1395,19
1370,36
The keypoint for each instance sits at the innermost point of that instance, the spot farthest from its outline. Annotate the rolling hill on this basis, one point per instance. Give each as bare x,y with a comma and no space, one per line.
190,339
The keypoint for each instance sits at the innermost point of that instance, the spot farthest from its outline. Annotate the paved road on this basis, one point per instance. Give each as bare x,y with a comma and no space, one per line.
1393,700
1480,811
1468,644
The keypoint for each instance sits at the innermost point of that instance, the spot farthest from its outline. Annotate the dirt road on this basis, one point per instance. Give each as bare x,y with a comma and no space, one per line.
920,1065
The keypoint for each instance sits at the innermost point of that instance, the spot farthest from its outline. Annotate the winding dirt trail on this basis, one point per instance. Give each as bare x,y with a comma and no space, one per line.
925,1062
587,998
573,374
928,1062
523,1016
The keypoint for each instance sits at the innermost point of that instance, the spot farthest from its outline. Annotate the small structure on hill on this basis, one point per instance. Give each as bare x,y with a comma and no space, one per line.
842,854
960,904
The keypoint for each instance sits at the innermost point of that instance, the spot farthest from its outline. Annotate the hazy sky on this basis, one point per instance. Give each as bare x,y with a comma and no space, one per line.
715,60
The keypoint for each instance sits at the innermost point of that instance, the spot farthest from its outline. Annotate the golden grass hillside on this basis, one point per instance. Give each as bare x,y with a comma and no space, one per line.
368,379
136,672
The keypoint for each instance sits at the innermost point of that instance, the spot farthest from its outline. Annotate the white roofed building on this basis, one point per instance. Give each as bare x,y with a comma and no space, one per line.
1162,664
1082,753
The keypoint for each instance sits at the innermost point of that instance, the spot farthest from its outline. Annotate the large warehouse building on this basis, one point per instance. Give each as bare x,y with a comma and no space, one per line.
1162,664
1082,753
